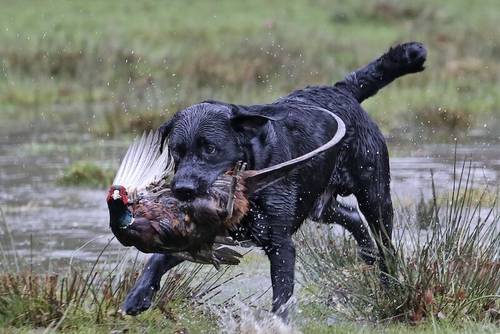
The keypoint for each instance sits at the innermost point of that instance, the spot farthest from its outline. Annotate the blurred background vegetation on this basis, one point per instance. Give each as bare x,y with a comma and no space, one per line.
119,67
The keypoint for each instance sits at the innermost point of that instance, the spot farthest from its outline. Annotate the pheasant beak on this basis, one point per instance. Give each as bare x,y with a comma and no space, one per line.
116,195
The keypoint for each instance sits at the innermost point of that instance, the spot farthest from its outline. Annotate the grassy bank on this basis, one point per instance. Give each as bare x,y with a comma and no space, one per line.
444,275
80,297
109,67
87,298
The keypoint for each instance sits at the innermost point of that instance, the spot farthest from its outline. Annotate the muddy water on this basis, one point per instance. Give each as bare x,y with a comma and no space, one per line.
48,222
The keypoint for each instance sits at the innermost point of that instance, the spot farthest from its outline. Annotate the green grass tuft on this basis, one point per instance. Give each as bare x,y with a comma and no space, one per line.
86,174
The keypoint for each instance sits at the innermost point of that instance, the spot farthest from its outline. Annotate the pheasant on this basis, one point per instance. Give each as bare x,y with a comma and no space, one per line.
143,213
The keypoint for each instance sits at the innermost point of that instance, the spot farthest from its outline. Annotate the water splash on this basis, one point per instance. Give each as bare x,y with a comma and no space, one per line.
240,318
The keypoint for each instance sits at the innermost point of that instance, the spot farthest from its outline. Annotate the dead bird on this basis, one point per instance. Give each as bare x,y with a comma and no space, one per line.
144,213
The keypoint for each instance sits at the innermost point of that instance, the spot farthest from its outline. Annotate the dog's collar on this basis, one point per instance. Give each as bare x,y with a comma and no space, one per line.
264,177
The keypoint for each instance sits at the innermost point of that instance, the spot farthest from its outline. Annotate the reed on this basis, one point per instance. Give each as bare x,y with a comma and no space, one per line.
447,271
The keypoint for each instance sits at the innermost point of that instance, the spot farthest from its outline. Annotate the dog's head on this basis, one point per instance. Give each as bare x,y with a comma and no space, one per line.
207,139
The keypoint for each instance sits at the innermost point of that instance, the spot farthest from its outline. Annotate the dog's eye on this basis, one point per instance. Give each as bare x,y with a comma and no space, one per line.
210,149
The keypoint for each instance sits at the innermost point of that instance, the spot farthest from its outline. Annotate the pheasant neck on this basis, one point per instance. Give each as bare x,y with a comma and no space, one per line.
119,215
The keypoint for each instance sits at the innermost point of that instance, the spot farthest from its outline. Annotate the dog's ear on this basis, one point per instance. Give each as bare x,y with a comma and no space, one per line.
165,129
251,119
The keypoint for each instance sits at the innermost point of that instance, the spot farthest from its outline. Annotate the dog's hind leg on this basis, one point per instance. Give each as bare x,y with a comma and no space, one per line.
376,205
348,217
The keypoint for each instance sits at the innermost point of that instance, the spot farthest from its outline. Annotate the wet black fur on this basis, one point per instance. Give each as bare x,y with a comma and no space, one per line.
209,138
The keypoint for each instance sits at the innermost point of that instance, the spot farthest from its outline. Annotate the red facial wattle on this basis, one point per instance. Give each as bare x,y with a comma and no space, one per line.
124,195
110,193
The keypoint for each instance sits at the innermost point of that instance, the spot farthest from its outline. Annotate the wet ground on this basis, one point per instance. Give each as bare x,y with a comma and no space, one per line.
50,225
50,222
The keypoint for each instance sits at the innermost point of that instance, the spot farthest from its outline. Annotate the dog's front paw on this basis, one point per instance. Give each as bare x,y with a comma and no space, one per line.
138,300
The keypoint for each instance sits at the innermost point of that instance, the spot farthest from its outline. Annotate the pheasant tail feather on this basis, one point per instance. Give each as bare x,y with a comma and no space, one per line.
143,164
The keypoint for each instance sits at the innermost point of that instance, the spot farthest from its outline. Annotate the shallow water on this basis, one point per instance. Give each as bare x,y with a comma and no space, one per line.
49,222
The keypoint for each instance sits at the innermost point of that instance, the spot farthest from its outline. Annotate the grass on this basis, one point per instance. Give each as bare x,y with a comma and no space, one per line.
89,299
86,174
319,320
85,298
125,66
446,275
84,301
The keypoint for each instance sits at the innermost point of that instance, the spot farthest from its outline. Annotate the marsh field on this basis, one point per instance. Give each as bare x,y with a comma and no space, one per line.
79,80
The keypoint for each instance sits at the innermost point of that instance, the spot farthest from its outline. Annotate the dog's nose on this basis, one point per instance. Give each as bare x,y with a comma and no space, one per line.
184,190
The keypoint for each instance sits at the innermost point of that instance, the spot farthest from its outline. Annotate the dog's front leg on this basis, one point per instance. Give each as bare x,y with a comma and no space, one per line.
140,296
281,254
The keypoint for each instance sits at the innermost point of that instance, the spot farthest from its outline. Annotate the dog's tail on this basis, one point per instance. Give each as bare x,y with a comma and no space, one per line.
399,60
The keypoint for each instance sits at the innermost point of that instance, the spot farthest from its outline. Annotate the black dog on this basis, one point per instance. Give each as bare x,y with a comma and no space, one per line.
207,139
